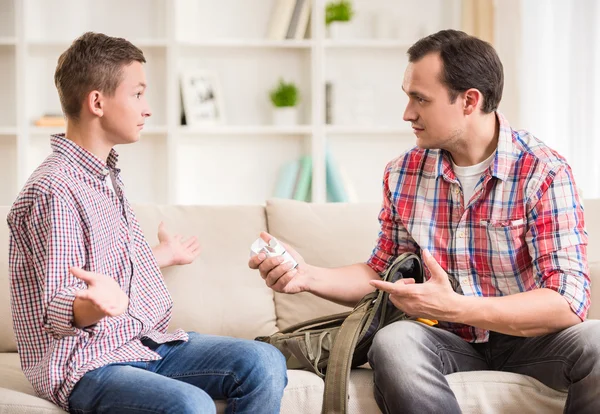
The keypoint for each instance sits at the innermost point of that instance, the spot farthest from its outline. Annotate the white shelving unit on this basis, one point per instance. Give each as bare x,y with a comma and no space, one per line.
237,162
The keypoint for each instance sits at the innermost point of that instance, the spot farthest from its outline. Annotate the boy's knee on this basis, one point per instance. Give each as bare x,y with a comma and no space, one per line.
193,401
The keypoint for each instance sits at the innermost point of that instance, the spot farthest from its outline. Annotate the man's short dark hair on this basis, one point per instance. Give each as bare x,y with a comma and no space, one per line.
469,62
94,61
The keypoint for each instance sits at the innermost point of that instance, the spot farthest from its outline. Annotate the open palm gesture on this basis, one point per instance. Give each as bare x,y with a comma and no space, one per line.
174,249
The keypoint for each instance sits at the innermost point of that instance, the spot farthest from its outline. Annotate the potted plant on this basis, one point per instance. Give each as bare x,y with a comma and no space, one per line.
337,15
285,97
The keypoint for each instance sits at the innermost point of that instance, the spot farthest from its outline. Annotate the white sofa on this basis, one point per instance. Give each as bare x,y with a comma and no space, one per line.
218,294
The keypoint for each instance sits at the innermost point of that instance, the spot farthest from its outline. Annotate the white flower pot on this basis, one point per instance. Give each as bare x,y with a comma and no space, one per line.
287,115
339,30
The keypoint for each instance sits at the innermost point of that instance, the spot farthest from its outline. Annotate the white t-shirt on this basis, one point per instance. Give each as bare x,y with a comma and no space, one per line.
109,181
469,176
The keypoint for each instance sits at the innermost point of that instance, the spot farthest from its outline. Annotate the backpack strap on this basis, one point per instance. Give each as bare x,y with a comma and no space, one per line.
337,376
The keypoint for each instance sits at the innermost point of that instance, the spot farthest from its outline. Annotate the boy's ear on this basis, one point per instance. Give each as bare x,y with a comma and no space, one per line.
95,103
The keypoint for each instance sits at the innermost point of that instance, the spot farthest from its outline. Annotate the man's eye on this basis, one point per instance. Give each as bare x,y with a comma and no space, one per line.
138,95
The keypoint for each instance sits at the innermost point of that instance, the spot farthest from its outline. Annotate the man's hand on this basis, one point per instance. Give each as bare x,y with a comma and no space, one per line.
433,299
103,297
280,276
174,249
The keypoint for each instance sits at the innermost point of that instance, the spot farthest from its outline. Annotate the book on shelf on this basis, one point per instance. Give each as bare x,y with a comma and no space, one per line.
289,20
50,120
295,181
303,185
286,182
336,191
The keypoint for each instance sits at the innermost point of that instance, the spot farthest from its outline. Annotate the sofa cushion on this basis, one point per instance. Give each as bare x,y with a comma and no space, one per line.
477,392
217,294
16,394
329,235
7,336
486,391
303,394
594,312
592,225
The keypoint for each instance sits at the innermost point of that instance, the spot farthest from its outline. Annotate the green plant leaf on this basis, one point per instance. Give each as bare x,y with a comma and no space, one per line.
340,11
284,94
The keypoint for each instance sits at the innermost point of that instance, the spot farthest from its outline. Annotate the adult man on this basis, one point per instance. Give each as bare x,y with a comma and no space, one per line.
90,307
497,219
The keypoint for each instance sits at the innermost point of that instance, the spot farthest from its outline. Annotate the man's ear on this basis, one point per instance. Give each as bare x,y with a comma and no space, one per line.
473,99
94,103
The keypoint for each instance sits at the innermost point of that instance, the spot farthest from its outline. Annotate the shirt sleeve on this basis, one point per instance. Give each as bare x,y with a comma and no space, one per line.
557,240
393,238
49,240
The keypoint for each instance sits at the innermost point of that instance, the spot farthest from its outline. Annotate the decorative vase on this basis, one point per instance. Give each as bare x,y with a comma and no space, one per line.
338,30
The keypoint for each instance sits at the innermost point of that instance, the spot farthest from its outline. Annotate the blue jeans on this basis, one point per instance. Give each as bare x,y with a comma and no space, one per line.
410,361
250,375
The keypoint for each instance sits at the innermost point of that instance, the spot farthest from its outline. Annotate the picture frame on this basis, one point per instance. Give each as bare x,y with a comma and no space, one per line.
202,99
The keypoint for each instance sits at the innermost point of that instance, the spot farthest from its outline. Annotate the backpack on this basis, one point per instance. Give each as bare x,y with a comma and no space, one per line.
330,346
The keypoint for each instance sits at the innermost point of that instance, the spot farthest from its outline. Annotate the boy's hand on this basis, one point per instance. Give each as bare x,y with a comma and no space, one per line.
174,249
103,292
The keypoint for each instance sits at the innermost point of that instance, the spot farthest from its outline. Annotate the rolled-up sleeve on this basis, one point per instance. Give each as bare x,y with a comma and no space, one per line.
557,240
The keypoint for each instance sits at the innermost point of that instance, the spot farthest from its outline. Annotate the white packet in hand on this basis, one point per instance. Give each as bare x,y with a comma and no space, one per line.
271,249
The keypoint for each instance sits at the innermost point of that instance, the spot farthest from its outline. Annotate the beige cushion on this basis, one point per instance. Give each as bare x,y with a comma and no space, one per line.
328,235
592,225
16,394
594,312
7,336
217,294
487,391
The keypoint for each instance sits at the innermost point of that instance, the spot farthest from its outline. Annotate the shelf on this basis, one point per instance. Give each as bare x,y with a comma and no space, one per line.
246,130
35,130
8,41
253,43
142,42
366,43
367,130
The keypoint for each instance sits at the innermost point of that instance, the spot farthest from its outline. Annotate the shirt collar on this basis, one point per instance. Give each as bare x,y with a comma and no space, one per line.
83,157
500,166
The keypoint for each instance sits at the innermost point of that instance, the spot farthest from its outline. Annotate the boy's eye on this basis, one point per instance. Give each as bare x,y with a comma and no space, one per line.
138,95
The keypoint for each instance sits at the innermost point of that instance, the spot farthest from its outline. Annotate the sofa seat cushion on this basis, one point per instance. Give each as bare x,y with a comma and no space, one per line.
478,392
303,394
16,394
495,392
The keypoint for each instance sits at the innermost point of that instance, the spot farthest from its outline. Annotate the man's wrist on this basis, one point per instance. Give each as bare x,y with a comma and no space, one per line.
308,271
461,309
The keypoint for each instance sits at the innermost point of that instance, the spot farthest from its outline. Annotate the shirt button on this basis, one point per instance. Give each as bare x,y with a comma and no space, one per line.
457,191
105,172
461,234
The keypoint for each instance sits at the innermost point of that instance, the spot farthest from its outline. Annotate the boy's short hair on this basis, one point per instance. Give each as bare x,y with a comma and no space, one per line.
94,61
